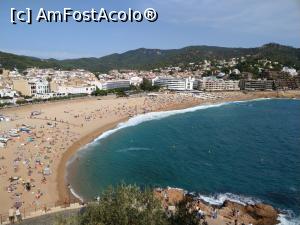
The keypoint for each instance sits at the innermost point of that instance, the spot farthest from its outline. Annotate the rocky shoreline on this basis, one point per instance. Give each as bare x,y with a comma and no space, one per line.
229,212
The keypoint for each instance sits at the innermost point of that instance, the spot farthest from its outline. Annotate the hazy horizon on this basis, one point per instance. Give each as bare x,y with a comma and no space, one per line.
140,48
181,23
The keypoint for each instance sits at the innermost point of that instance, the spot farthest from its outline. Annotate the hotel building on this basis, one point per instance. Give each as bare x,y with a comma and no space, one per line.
113,84
214,84
85,89
174,84
252,85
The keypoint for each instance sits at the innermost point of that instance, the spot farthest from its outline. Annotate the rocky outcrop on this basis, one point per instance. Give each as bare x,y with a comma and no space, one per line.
228,213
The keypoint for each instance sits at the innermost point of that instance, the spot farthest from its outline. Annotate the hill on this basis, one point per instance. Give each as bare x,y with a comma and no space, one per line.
143,58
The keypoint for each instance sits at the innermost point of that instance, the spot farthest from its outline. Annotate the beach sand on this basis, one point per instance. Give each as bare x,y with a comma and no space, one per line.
62,128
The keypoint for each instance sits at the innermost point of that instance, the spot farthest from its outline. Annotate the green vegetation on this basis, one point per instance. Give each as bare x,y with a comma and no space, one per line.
21,101
121,93
10,61
183,215
146,85
129,205
28,99
234,76
5,104
99,92
155,58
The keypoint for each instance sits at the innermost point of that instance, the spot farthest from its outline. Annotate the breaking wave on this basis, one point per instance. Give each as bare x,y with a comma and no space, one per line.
285,217
134,149
160,115
219,199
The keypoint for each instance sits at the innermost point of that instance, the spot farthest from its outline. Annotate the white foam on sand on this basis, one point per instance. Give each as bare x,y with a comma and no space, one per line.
141,118
285,219
75,194
136,120
136,149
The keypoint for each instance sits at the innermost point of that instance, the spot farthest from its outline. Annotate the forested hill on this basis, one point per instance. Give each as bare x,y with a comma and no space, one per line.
153,58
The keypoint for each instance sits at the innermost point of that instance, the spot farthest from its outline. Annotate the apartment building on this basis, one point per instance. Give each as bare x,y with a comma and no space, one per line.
113,84
49,95
6,92
252,85
213,84
174,84
31,87
84,89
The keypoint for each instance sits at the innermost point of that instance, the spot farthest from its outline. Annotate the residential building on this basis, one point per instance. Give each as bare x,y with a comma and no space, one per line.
290,71
113,84
175,84
7,93
31,87
22,86
252,85
85,89
285,81
49,95
214,84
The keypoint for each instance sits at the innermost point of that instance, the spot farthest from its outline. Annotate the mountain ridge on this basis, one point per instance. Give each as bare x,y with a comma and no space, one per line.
144,58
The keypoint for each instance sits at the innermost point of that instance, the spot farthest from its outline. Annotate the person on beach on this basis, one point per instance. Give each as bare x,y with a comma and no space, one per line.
214,213
18,215
11,215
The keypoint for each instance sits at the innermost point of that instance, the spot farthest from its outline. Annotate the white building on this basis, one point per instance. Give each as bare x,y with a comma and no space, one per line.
236,71
291,71
136,81
31,87
76,89
7,93
213,84
49,95
41,86
174,84
113,84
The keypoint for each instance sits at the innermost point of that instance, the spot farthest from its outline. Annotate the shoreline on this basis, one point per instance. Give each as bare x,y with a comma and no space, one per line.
62,176
75,124
62,182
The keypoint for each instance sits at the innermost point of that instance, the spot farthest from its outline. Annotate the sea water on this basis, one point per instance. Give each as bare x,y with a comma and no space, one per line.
243,151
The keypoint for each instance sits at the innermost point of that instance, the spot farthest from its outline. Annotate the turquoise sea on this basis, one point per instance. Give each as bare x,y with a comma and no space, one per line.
244,151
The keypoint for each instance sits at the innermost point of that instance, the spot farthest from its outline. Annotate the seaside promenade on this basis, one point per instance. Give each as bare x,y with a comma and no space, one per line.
46,216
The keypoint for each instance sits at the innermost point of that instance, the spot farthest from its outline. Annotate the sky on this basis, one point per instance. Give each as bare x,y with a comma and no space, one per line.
181,23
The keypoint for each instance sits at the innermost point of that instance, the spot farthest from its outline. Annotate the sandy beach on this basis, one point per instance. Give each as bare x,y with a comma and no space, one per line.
43,137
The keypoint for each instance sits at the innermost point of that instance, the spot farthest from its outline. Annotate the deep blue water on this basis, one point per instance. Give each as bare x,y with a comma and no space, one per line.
249,149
